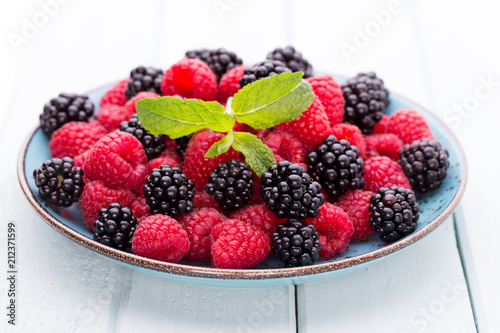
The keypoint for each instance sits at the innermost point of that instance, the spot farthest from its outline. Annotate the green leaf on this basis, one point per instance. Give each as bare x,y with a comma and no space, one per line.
257,154
175,117
220,122
273,100
222,146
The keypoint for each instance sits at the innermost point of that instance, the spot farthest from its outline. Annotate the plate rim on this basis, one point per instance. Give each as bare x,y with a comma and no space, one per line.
241,274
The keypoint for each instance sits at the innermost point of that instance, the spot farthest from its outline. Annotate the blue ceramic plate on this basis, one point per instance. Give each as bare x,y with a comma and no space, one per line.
435,207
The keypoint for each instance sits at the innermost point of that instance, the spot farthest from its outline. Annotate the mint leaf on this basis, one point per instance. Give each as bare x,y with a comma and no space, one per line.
257,154
273,100
222,146
219,122
175,117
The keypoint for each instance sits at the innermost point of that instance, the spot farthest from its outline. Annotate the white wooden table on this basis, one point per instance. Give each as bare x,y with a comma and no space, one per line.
442,54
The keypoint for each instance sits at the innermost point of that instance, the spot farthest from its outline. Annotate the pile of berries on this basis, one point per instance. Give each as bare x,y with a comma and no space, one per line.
344,169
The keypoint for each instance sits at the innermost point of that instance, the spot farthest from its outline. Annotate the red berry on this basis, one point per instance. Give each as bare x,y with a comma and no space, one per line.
383,172
190,78
116,95
130,105
286,146
75,138
334,227
386,144
198,225
381,126
198,167
355,204
230,83
371,152
140,207
160,237
331,95
204,200
159,161
80,160
237,244
118,159
312,126
409,126
258,215
111,116
96,195
351,133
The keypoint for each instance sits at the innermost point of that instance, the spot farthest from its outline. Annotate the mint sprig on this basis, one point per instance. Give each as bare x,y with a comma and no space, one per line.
262,104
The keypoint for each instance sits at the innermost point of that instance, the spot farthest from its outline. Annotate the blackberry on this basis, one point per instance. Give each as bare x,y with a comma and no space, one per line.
292,59
231,185
63,109
115,227
153,145
261,70
296,244
219,60
337,166
182,144
394,213
144,79
168,191
289,191
425,164
59,182
365,100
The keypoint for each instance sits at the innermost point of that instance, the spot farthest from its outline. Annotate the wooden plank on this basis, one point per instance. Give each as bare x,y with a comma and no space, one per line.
421,288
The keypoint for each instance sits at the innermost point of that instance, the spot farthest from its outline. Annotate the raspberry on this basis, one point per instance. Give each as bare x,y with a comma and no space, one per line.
198,167
424,163
386,144
334,227
144,79
202,199
220,60
198,225
231,184
111,116
96,195
381,126
59,182
140,207
262,70
337,166
182,144
394,213
153,145
171,154
159,161
63,109
371,152
296,244
384,172
230,84
330,94
292,59
169,191
160,237
190,78
116,95
118,159
115,227
352,134
365,99
409,126
355,204
75,138
289,192
80,159
258,215
236,244
286,146
312,126
130,105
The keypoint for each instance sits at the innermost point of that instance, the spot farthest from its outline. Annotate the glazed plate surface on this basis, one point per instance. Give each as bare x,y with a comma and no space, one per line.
435,207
